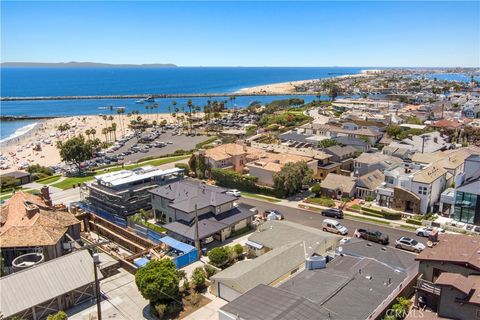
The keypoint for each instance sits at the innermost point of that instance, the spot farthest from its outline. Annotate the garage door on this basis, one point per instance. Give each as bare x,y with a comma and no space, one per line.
227,293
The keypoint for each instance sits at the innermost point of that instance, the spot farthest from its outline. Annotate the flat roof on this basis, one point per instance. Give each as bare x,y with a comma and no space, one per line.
118,178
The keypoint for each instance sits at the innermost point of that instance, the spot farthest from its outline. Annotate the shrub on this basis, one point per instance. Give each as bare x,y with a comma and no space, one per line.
195,299
369,198
158,281
209,271
38,175
218,256
36,168
414,221
316,189
160,310
183,166
8,182
238,249
198,278
60,315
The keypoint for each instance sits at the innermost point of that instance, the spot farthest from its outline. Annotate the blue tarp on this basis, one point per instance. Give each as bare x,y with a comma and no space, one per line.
175,244
140,262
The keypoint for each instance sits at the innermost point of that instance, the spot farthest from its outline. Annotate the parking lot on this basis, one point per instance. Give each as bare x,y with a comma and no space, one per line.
172,143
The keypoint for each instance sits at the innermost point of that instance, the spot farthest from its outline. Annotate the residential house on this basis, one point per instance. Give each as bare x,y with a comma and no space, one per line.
348,130
366,186
270,163
403,153
22,177
29,223
338,186
427,142
449,277
280,248
471,109
428,184
343,155
49,287
467,193
369,162
125,192
360,281
230,156
359,144
179,203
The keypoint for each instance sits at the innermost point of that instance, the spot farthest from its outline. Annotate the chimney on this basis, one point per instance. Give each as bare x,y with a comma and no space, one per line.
45,192
31,209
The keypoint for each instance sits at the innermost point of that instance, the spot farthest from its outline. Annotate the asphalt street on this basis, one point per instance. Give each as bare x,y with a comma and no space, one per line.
315,219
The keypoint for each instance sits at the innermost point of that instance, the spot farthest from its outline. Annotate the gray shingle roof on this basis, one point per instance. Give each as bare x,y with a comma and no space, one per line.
186,193
211,223
267,303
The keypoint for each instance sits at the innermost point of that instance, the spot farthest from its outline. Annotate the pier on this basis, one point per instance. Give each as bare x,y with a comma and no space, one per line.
159,96
15,118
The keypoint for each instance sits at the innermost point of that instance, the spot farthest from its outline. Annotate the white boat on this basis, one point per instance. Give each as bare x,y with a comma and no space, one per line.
150,99
141,101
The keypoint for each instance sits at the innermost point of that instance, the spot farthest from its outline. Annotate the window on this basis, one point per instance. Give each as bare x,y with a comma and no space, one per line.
422,190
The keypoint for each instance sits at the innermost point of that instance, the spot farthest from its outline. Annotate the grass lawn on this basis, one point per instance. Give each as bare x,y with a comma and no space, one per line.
157,162
410,228
326,202
70,182
353,217
261,197
49,180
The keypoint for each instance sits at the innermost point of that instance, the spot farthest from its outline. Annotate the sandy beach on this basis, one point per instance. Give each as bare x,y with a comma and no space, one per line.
289,87
19,152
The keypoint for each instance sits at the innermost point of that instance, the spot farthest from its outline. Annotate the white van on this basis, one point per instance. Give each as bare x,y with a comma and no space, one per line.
334,226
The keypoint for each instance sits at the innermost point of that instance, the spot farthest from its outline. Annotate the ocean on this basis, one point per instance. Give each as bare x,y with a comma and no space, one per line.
28,82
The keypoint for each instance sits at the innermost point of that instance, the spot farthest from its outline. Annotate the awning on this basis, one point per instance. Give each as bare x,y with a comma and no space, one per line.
140,262
254,244
175,244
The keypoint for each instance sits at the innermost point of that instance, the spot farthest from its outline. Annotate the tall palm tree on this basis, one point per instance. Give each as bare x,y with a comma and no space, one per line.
114,129
105,132
93,132
105,118
87,133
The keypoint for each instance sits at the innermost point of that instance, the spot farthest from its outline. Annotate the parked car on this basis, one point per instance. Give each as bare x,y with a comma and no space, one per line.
409,244
334,213
333,226
372,235
273,215
233,192
427,231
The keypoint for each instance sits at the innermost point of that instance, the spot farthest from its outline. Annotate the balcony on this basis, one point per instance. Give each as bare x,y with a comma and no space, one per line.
428,286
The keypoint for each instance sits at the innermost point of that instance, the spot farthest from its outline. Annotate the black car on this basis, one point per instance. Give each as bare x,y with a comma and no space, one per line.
334,213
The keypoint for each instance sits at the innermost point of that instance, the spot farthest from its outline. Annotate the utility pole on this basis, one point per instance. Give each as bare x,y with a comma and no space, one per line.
96,262
197,240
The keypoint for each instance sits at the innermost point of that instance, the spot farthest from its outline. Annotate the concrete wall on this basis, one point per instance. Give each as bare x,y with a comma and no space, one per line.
265,177
434,190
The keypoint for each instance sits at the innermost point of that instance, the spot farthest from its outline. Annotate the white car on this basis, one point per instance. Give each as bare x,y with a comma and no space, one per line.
233,192
409,244
427,231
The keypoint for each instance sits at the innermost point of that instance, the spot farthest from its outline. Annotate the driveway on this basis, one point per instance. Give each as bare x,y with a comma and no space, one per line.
123,301
208,312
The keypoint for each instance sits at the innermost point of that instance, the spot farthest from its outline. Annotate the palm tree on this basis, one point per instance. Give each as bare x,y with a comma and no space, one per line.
114,129
93,132
105,132
87,133
121,113
105,118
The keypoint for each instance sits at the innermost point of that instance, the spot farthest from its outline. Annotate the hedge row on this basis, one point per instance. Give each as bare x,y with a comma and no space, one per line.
234,180
390,215
414,221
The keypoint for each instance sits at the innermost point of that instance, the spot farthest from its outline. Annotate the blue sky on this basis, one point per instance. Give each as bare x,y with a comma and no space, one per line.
244,33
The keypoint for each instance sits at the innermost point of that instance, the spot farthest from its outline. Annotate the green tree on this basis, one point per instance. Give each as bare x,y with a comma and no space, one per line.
198,278
77,150
326,143
238,249
219,256
394,131
145,215
60,315
292,178
8,182
316,189
158,281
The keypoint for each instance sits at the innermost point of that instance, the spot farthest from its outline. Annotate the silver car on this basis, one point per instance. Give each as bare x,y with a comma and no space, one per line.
409,244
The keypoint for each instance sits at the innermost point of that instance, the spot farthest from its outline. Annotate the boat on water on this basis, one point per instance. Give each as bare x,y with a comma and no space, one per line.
141,101
150,99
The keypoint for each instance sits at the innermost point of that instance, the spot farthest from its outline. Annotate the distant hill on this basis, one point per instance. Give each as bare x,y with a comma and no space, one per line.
74,64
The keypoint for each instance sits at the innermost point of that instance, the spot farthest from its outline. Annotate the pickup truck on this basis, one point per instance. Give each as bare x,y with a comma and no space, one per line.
372,235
